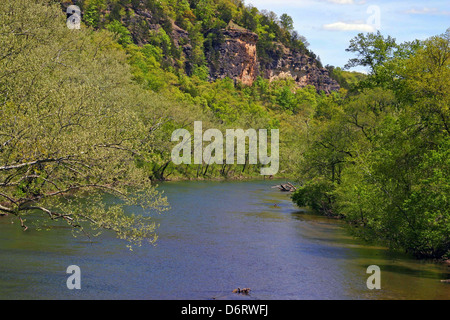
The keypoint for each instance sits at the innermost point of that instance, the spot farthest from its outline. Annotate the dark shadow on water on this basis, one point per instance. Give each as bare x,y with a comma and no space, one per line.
342,236
305,214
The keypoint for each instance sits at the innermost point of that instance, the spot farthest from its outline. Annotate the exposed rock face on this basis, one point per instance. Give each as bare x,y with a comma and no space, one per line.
141,26
236,56
302,68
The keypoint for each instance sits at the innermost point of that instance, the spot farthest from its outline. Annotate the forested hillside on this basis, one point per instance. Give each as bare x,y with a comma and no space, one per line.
211,39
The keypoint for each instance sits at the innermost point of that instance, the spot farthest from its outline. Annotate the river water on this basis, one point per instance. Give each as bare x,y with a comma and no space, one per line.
218,236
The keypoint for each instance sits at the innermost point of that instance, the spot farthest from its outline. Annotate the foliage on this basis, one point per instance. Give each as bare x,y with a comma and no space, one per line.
316,194
121,32
346,79
383,150
70,129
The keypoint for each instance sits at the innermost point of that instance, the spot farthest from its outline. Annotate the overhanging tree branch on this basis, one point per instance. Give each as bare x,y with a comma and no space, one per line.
26,164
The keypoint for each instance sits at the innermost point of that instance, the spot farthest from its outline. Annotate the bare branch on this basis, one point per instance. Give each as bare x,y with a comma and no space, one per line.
5,209
7,197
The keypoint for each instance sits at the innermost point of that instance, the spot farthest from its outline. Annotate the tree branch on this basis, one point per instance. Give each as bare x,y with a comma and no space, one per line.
21,165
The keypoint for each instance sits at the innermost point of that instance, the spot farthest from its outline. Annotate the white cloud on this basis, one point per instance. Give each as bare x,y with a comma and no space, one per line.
344,26
428,11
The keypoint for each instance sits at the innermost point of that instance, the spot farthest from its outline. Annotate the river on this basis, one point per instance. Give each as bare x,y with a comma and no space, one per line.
218,236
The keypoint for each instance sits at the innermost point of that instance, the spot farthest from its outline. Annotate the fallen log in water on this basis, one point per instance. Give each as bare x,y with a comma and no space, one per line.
245,291
287,187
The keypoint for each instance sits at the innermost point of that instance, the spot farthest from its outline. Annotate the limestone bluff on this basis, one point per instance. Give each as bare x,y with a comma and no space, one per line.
238,60
236,57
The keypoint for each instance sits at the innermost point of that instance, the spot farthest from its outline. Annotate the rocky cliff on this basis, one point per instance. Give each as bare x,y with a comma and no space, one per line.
236,57
302,68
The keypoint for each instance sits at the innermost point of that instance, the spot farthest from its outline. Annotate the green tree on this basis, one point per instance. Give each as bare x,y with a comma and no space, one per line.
287,22
121,32
372,50
70,130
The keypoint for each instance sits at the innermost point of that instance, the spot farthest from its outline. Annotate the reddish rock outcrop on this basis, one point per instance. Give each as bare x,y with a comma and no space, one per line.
236,58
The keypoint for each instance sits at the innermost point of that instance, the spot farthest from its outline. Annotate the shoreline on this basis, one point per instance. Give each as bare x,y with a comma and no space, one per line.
234,178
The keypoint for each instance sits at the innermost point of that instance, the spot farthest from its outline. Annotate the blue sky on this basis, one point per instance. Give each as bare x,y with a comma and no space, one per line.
328,25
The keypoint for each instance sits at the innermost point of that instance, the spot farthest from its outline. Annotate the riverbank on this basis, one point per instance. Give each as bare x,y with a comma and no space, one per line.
231,178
